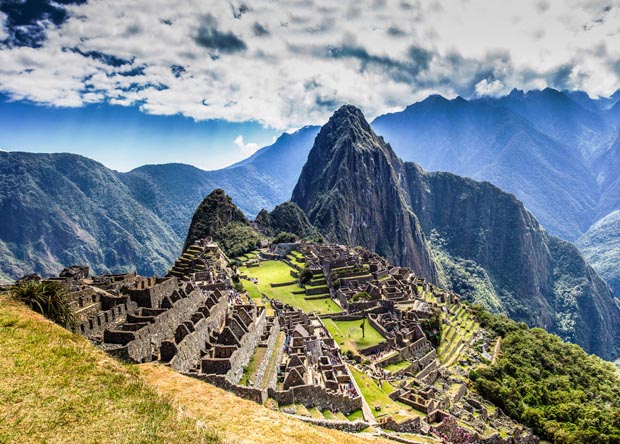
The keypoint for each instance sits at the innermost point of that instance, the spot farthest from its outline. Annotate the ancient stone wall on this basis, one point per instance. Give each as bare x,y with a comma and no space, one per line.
417,350
374,349
314,396
247,346
271,343
342,425
153,296
141,345
188,350
412,425
252,394
94,326
428,370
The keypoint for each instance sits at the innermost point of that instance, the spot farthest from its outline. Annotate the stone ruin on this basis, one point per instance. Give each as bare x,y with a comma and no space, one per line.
194,321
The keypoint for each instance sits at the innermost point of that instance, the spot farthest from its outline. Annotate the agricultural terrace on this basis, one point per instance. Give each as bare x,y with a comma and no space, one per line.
278,272
379,397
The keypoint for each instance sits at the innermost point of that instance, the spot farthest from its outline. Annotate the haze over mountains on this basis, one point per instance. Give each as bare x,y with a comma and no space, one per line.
558,152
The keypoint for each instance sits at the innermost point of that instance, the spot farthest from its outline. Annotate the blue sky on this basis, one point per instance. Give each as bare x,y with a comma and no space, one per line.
123,138
129,82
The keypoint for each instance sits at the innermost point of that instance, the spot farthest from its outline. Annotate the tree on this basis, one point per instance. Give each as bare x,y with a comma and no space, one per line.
305,276
361,296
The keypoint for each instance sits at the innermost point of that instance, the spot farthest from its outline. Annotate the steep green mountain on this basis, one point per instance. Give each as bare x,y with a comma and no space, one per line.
219,218
609,178
601,247
351,190
173,191
62,209
356,191
288,218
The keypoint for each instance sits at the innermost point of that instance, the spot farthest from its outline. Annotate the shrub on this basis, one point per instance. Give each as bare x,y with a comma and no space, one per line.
432,327
563,394
48,298
305,276
284,238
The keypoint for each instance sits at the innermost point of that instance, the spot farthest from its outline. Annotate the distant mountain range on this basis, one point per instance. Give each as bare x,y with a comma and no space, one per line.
558,152
61,209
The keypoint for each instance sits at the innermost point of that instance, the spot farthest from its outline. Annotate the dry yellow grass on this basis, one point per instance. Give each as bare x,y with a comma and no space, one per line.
55,387
240,421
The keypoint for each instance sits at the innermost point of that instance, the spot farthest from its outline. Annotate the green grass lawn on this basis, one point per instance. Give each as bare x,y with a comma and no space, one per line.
397,366
297,254
375,395
269,272
276,272
356,414
348,334
252,290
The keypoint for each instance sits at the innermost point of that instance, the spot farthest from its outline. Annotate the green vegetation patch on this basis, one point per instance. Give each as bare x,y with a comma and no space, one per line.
562,393
250,371
356,414
277,272
397,366
348,334
379,396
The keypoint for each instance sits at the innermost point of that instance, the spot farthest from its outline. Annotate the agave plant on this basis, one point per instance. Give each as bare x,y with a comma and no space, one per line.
48,298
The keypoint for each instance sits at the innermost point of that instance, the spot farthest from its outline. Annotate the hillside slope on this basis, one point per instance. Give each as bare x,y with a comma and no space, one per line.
601,246
74,392
488,140
62,209
56,387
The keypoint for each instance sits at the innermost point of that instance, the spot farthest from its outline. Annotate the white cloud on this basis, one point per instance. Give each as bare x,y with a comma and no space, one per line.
288,64
247,149
493,88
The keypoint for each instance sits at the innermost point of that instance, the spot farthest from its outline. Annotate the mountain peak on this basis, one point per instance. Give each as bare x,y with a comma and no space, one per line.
348,115
347,129
352,191
214,213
